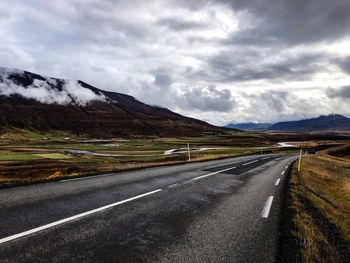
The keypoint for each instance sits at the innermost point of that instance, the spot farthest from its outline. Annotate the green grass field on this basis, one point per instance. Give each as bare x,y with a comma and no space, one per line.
10,156
53,156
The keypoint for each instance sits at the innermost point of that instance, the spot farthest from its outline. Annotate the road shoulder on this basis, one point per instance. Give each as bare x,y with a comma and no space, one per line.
314,218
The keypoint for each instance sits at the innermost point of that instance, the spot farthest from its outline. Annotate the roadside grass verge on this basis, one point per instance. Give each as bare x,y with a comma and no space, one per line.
319,202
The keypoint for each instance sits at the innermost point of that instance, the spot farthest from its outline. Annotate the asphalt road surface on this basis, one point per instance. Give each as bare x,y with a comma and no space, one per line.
216,211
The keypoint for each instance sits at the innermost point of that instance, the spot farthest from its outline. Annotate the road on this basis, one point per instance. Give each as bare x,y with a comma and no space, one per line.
216,211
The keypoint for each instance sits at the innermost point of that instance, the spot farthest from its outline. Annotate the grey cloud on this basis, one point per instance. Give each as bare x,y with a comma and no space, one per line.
274,106
77,25
208,99
192,5
342,92
273,101
343,63
252,65
162,79
180,24
293,22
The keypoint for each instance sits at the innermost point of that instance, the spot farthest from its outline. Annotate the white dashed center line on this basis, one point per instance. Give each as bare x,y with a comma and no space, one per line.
266,210
206,175
278,181
71,218
250,162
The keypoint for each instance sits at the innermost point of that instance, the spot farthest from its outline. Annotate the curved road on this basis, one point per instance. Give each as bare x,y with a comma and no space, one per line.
216,211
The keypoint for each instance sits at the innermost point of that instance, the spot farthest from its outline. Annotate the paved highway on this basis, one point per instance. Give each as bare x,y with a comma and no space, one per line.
216,211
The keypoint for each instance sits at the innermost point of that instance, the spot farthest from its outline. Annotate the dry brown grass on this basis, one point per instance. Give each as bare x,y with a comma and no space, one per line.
330,180
321,191
312,241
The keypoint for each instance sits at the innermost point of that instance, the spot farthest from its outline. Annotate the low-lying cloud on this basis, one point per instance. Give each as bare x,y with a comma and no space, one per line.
45,91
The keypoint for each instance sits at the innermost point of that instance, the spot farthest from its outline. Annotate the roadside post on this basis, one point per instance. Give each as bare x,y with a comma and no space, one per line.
188,152
299,163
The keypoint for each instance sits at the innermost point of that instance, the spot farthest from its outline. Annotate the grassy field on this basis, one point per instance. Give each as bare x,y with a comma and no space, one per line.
58,156
27,156
12,156
320,205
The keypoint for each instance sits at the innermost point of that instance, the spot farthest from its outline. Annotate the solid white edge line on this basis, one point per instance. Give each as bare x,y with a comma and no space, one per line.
206,175
65,220
277,181
266,210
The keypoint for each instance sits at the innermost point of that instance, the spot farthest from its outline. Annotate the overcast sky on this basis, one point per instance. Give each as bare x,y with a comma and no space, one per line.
219,61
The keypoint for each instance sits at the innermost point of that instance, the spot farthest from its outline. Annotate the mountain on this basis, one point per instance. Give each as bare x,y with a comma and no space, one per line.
32,101
249,126
332,122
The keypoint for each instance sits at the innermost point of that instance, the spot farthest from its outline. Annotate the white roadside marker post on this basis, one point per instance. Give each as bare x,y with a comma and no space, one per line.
188,152
299,163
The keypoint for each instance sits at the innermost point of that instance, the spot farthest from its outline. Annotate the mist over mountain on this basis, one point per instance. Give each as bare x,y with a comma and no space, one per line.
44,89
249,126
329,123
32,101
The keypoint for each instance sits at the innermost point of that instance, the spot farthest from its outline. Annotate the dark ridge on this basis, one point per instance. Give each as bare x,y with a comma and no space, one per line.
332,122
249,126
118,115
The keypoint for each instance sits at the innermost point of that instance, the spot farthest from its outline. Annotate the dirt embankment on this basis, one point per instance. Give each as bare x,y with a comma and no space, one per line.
341,153
317,215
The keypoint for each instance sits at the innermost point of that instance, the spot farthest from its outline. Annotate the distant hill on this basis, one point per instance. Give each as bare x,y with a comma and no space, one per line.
31,101
249,126
332,122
